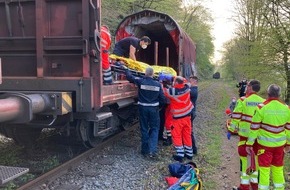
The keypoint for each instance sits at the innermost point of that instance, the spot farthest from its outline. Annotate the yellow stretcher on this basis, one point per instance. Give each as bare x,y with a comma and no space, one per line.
141,66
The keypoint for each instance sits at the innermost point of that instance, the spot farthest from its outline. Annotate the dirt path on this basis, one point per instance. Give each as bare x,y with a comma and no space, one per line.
214,97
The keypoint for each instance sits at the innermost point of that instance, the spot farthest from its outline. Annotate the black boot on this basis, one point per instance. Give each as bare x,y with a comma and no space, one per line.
177,158
194,148
167,142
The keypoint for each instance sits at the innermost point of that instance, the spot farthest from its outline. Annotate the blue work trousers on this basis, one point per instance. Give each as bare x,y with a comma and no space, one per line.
149,126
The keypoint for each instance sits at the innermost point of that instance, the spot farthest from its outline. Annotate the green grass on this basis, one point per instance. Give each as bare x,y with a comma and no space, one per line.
49,163
287,170
212,152
210,157
10,155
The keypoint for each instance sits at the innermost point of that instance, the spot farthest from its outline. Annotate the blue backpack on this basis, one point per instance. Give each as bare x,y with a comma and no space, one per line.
188,175
178,169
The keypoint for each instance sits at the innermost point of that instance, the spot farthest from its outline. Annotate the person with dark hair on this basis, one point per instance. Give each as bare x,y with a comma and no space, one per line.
181,108
193,94
241,122
127,47
150,97
193,97
270,130
242,87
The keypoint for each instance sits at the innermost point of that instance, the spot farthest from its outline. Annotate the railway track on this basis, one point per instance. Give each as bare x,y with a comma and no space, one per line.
43,181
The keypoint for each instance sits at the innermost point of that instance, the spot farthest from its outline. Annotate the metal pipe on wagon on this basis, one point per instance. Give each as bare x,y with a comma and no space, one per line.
167,57
14,107
156,53
10,108
39,102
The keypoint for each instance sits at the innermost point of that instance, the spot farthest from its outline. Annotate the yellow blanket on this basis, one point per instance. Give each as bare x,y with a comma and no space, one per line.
141,66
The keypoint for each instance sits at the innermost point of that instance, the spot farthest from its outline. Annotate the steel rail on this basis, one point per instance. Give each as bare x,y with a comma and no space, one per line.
53,174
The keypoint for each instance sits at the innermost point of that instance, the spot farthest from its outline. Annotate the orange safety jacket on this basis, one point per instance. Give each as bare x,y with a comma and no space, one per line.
105,46
270,124
179,96
168,118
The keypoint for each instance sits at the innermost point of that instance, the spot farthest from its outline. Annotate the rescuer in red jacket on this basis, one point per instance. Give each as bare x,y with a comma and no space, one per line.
168,125
105,46
181,108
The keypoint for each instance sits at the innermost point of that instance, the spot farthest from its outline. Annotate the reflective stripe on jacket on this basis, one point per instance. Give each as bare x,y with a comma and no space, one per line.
270,124
179,96
150,91
105,39
245,111
236,115
105,46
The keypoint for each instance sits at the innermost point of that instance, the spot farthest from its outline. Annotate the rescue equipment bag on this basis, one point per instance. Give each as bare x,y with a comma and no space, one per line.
178,169
190,180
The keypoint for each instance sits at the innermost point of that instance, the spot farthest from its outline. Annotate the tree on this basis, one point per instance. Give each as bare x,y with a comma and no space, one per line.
114,11
193,19
196,20
261,46
277,16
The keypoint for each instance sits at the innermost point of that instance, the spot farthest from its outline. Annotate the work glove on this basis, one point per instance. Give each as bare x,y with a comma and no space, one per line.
229,134
249,149
228,112
124,67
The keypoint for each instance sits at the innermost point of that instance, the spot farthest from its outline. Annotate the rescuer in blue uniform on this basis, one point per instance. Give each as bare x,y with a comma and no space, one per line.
193,97
150,96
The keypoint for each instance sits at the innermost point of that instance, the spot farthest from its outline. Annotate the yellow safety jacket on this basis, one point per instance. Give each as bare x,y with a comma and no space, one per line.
236,115
270,124
243,113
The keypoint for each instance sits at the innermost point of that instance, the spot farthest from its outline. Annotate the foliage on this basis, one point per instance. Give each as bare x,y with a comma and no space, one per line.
9,156
196,22
194,19
277,17
261,46
114,11
9,186
286,170
50,163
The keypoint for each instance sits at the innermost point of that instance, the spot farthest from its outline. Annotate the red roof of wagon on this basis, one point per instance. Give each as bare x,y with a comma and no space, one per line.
165,33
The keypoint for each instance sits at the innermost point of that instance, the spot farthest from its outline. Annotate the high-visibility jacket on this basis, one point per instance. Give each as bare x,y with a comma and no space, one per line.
270,124
179,96
168,118
236,115
105,46
243,113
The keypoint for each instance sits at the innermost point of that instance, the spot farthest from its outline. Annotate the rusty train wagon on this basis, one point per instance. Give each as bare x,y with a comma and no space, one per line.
49,79
171,46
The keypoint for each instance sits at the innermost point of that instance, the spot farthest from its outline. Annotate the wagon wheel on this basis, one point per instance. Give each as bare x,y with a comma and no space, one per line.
85,130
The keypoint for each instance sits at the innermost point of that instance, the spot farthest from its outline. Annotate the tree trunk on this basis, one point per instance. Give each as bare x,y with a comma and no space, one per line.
285,62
